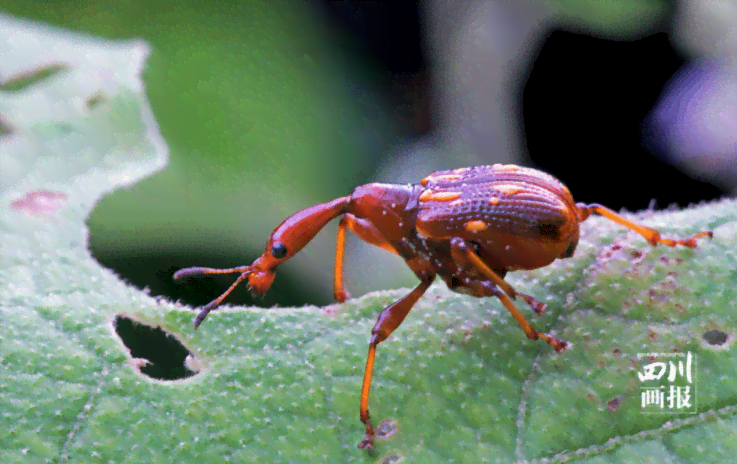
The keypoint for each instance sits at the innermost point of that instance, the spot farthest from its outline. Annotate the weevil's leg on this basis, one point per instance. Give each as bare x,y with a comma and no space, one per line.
389,319
651,235
536,306
458,251
463,253
366,232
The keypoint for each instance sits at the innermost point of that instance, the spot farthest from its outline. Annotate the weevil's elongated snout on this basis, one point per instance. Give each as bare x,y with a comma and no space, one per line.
289,238
285,241
299,229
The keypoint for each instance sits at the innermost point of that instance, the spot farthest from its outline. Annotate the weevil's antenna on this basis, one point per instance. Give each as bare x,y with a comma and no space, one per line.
192,271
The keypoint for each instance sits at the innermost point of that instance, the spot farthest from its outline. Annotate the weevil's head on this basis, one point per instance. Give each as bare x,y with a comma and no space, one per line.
285,241
289,238
261,276
263,269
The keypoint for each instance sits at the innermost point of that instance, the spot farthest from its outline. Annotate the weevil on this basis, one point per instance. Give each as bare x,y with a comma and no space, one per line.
470,226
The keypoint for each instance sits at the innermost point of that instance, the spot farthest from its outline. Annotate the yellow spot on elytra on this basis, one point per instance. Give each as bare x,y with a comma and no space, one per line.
429,195
447,177
505,167
440,178
476,226
456,203
494,200
508,189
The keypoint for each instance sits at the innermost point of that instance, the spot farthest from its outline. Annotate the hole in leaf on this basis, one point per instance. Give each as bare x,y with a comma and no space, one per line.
23,80
5,128
715,337
386,429
614,404
157,353
393,459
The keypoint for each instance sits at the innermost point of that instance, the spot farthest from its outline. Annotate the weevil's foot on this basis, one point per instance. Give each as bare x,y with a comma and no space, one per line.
688,242
691,242
536,306
558,344
562,345
367,443
341,295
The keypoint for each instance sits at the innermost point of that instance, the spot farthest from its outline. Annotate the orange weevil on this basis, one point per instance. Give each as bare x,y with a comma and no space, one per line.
470,226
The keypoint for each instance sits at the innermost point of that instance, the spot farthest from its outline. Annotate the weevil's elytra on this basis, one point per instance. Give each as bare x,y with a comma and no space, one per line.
468,226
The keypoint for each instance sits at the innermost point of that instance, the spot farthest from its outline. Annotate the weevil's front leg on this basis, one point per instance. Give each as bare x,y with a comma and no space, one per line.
651,235
389,319
464,254
366,232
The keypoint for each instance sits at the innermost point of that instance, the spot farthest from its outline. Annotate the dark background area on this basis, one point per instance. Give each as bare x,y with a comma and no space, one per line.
583,104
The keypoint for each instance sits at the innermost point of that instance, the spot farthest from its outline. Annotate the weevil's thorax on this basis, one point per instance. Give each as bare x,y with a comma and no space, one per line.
391,208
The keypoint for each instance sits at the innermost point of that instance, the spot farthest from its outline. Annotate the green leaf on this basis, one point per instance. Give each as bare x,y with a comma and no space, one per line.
458,380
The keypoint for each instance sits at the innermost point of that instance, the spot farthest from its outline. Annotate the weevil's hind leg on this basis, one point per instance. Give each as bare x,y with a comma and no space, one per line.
464,254
366,232
458,251
651,235
389,319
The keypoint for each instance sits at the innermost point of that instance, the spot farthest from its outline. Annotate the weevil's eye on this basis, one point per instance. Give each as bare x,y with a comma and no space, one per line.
278,250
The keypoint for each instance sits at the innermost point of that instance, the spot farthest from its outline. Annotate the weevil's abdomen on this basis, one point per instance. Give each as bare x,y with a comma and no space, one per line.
521,218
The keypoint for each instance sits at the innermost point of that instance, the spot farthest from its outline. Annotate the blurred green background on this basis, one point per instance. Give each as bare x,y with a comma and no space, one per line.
265,112
271,107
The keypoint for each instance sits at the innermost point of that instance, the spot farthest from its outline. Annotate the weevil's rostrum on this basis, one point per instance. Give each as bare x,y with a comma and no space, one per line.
469,226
